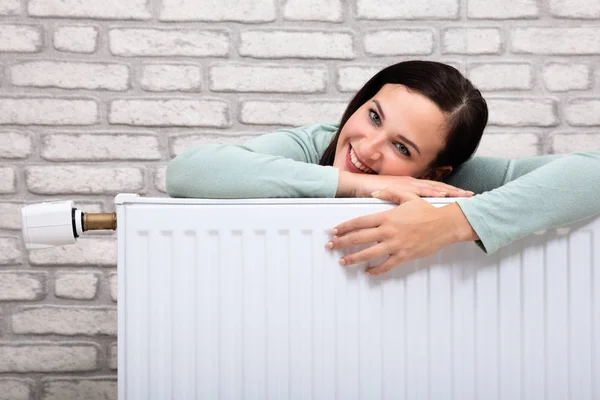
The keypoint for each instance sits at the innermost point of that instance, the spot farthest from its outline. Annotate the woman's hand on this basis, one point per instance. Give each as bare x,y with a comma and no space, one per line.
362,185
412,230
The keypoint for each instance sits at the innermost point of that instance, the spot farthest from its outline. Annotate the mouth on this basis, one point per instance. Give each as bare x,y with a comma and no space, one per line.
355,164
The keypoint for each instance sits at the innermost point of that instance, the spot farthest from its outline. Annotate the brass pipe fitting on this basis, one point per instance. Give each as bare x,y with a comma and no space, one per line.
99,221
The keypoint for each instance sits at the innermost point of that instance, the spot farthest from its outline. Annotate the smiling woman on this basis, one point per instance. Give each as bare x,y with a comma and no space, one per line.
410,132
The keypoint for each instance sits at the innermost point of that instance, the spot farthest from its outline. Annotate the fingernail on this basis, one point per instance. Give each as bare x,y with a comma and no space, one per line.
376,193
342,261
443,194
329,245
471,193
334,231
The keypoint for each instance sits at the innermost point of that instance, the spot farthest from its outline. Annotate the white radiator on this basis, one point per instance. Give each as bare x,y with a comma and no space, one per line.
240,300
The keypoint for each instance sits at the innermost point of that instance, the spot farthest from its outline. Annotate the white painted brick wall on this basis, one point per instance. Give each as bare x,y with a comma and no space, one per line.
74,146
15,285
169,112
69,75
15,145
169,78
46,357
65,320
296,44
48,111
76,39
492,9
313,10
97,96
167,42
76,285
10,7
575,8
404,42
223,10
267,78
106,9
15,389
560,77
62,389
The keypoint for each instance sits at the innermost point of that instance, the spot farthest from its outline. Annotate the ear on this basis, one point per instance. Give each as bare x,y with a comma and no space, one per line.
437,174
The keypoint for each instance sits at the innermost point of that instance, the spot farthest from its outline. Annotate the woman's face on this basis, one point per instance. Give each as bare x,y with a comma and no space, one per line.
398,132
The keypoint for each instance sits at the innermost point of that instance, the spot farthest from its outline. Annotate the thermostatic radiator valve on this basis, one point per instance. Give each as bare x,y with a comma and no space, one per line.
59,223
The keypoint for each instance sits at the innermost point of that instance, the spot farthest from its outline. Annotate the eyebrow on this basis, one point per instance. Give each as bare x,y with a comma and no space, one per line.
403,138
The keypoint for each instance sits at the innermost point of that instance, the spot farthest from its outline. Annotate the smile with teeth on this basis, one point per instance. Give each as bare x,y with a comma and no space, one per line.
358,164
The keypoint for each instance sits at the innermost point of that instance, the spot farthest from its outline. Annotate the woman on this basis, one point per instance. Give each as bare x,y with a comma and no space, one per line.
412,126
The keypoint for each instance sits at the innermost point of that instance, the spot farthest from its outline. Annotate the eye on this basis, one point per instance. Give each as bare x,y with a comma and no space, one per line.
402,149
374,117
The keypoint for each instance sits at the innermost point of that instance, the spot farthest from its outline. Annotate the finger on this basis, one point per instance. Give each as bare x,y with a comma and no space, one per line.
431,193
355,238
371,253
395,194
461,193
442,187
385,266
364,222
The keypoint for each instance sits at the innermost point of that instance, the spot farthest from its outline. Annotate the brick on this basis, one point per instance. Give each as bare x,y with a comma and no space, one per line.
313,10
83,180
296,44
224,10
10,251
491,9
113,287
501,76
169,112
556,41
572,142
47,111
164,78
10,215
407,9
351,79
21,38
15,285
15,389
399,42
10,7
159,179
522,112
71,75
76,39
180,143
98,147
8,181
65,320
509,145
14,145
107,9
294,113
76,285
472,41
137,42
113,356
584,9
268,78
86,252
73,389
48,357
560,77
583,112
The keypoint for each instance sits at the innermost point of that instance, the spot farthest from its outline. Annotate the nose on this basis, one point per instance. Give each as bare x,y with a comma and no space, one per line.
372,147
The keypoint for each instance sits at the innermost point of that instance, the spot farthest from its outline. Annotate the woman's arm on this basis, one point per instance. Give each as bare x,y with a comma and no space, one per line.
279,164
528,195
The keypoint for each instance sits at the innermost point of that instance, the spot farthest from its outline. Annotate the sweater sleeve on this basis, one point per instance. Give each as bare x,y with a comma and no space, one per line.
279,164
550,191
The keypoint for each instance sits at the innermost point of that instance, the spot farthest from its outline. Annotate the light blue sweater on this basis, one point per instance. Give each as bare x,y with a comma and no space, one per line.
550,191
